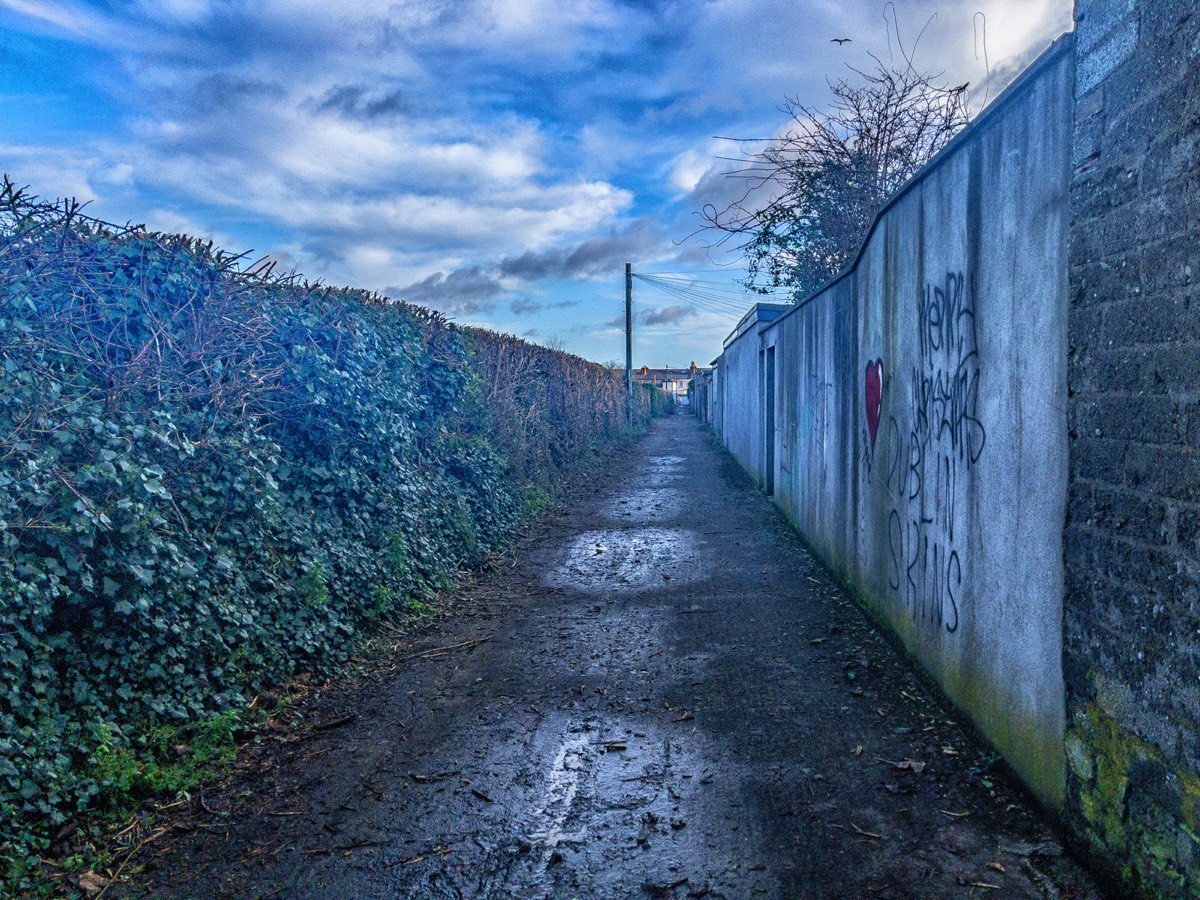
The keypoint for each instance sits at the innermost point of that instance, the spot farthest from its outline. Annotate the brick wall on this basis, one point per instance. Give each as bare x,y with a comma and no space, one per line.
1132,629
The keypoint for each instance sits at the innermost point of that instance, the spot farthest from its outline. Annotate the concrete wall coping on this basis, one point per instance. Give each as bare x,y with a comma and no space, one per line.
759,313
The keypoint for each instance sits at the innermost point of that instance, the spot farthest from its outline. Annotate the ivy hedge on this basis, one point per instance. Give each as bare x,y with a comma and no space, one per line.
214,477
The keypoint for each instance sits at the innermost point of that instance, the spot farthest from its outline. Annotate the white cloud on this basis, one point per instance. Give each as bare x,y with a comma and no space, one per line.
379,142
688,168
71,19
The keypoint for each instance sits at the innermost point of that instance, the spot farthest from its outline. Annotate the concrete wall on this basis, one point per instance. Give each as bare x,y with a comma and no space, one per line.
715,400
1133,533
741,405
739,390
702,396
919,435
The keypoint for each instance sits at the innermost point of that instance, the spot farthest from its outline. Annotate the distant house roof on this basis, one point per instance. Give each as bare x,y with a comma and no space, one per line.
645,373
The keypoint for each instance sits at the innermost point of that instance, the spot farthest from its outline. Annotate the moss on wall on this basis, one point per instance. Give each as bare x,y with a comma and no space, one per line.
1138,814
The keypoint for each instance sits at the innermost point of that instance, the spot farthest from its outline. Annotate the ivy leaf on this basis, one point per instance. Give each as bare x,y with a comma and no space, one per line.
155,487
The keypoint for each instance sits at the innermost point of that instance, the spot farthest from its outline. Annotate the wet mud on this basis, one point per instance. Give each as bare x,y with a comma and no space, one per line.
664,695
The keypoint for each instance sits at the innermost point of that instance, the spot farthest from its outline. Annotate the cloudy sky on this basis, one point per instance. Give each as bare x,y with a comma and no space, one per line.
499,160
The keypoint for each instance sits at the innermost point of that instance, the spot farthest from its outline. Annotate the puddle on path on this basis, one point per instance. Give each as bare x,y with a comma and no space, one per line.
562,784
626,802
664,468
646,505
629,560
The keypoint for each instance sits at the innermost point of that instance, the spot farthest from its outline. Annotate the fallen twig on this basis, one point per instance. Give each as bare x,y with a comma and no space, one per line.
427,779
437,651
117,874
342,848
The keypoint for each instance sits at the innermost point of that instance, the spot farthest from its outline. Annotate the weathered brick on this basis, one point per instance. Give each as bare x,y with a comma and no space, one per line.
1128,137
1084,334
1167,42
1147,418
1115,187
1083,617
1193,426
1171,158
1078,550
1139,568
1163,218
1121,513
1156,220
1172,368
1106,34
1132,540
1143,320
1191,102
1170,28
1147,87
1188,530
1083,416
1101,280
1171,267
1077,667
1096,20
1101,237
1081,577
1169,472
1168,370
1101,370
1086,142
1097,458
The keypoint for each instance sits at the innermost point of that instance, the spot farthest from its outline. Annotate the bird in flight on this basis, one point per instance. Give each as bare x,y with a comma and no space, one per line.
839,41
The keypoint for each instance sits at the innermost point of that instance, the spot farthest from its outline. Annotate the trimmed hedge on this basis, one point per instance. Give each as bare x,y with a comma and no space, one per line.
213,478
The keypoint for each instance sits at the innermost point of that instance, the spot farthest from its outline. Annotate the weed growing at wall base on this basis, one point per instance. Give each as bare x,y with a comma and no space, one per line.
213,478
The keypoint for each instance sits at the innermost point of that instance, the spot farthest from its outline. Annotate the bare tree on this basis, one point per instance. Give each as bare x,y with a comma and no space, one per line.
810,195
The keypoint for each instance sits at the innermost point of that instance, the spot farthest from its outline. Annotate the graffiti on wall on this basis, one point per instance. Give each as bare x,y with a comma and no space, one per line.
873,405
927,461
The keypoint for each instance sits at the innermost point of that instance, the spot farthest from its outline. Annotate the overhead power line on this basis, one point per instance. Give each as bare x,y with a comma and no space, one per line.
712,295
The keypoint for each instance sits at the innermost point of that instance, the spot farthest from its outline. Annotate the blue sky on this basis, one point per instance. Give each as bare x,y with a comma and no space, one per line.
497,159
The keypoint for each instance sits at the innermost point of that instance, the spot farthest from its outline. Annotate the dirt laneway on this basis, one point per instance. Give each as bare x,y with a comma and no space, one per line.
666,696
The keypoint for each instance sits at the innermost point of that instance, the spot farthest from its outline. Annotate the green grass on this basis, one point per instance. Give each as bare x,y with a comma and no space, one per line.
168,760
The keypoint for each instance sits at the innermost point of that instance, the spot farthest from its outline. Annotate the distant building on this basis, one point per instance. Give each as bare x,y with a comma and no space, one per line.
703,394
674,381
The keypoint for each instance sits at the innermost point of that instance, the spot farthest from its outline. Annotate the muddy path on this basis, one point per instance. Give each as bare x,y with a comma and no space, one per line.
665,696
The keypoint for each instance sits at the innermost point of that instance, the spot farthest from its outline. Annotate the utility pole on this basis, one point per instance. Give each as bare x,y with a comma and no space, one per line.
629,342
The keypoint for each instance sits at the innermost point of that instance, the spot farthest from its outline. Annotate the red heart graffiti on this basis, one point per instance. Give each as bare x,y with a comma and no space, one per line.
874,397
